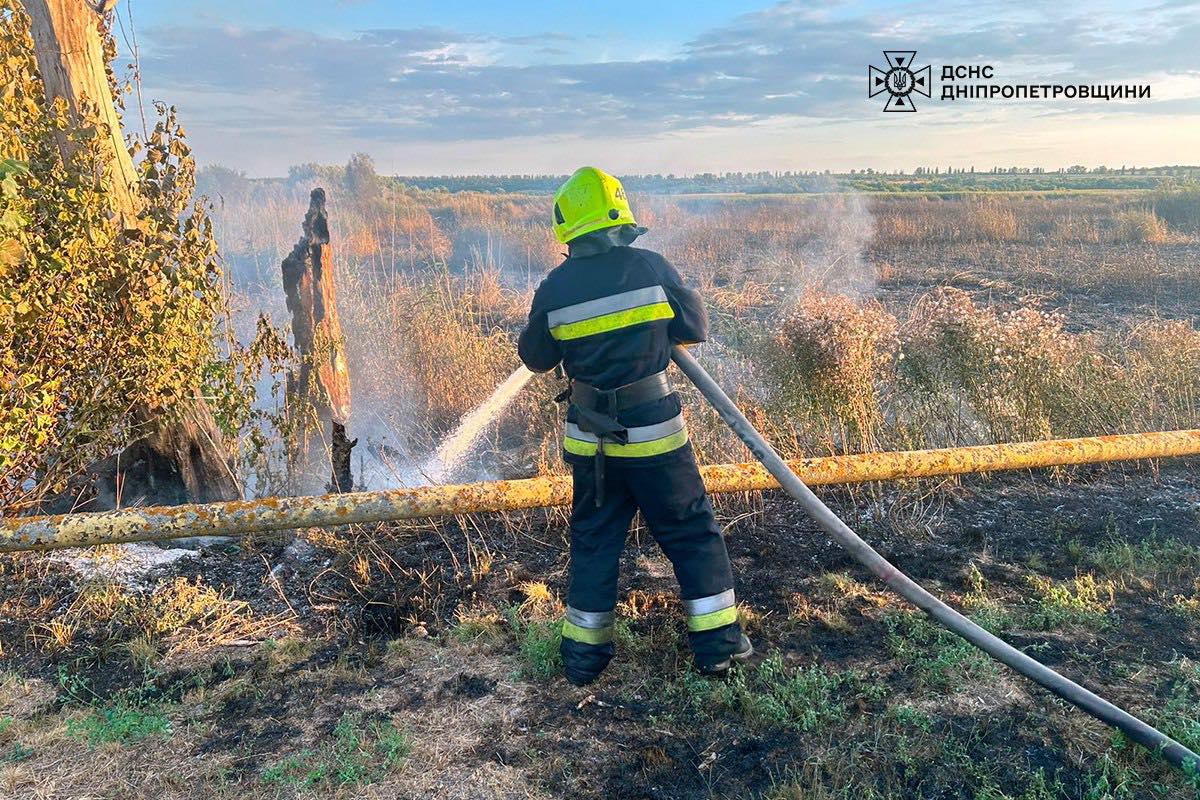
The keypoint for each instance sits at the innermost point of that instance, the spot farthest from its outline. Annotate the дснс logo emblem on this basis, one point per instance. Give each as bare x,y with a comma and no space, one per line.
899,81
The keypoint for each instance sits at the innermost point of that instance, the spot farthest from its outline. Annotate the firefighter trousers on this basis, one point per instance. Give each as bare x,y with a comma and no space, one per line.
670,494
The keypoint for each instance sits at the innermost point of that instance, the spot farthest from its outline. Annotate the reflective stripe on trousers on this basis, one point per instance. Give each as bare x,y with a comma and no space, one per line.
610,313
714,611
589,627
646,440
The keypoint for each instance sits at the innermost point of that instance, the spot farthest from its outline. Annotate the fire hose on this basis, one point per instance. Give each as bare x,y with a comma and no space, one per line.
1137,730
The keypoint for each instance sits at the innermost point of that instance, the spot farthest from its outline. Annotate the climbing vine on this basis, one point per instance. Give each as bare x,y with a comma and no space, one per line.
98,315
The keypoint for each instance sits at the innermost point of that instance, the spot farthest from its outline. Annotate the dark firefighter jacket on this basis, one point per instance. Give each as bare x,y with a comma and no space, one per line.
611,318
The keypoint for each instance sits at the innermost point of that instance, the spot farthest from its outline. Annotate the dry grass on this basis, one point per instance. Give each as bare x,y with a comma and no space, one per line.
836,601
1038,219
540,602
995,220
193,618
1179,207
825,373
1188,605
179,616
434,287
838,354
1141,227
1012,366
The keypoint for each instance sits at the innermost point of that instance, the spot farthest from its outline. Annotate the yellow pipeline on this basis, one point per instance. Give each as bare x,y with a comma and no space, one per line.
276,513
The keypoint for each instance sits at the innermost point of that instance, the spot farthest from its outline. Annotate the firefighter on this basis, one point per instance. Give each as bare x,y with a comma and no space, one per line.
609,314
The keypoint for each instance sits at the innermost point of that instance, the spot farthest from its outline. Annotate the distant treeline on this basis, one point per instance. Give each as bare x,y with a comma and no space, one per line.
932,179
359,177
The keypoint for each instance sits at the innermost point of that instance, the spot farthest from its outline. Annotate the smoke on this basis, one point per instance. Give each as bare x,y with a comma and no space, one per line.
769,249
790,244
519,262
754,258
834,260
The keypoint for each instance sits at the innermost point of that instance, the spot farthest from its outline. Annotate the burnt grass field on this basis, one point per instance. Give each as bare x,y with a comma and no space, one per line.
421,660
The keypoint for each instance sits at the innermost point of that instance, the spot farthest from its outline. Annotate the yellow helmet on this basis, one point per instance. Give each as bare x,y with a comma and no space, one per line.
589,201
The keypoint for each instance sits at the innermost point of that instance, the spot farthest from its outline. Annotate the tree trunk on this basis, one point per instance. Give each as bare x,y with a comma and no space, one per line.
182,459
68,42
323,385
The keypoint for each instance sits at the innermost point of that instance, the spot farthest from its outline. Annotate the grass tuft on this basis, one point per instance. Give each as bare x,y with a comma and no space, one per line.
538,643
1083,600
1140,227
356,754
936,656
804,699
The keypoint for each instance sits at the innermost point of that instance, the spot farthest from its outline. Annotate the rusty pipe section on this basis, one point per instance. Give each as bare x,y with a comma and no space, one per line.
279,513
904,464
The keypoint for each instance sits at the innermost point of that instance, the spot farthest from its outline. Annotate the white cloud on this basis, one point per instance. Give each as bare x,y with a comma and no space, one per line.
794,66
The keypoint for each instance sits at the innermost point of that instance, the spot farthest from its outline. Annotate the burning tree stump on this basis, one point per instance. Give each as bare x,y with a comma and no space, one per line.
322,385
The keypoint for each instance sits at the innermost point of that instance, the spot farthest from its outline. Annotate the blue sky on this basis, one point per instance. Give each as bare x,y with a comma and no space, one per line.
655,27
664,86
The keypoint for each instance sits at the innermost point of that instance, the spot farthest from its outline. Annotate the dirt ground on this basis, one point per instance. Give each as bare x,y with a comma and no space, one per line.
1096,286
421,662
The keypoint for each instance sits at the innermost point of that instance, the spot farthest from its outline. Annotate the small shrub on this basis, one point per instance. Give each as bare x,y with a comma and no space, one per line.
1139,227
1018,369
837,354
1080,601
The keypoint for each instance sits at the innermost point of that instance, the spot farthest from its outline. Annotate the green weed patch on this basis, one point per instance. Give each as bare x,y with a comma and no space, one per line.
357,755
1083,600
935,655
537,641
120,723
804,699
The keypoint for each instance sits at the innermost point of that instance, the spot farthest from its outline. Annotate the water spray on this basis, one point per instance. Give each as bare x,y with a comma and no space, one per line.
1139,731
449,455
